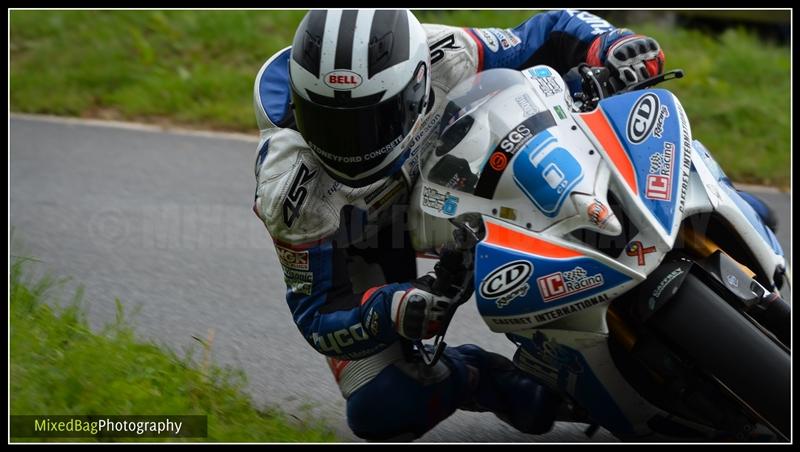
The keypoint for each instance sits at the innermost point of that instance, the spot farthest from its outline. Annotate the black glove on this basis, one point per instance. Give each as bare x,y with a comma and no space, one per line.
635,58
418,313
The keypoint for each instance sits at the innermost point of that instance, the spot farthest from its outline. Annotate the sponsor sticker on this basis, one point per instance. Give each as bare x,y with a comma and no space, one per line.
488,38
570,309
506,283
642,118
560,112
297,260
658,130
510,38
651,302
686,141
599,26
420,73
659,180
506,38
547,173
515,139
508,213
562,284
298,281
526,104
541,72
549,86
373,322
339,340
513,142
598,213
637,250
498,161
442,202
342,79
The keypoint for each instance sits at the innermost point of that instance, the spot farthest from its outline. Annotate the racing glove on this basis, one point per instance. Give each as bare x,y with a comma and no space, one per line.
631,58
418,313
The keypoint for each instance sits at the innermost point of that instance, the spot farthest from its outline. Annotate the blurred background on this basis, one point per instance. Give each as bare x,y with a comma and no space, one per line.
196,68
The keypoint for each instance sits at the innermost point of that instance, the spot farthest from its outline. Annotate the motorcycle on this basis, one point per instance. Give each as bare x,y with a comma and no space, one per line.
609,246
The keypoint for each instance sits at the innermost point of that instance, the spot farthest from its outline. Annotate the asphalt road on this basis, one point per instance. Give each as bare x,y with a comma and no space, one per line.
163,222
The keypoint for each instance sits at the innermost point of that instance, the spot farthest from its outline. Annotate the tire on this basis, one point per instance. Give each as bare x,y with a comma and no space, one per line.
722,342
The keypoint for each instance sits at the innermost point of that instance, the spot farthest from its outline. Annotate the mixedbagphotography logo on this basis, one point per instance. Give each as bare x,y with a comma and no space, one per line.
112,426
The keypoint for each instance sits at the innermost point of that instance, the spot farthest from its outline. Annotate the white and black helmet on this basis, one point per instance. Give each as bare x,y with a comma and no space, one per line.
360,83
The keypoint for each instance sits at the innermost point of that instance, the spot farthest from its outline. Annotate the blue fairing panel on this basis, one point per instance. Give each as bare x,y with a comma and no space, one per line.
649,127
511,282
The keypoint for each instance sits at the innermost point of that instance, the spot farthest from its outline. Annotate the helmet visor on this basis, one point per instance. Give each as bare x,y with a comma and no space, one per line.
356,144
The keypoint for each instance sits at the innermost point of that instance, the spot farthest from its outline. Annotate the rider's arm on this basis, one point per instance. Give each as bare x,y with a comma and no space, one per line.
291,200
560,39
333,319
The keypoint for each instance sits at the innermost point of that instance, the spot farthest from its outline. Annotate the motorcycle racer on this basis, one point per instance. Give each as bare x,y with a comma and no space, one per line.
345,115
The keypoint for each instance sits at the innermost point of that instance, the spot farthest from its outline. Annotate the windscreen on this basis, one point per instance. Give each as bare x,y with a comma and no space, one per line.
487,119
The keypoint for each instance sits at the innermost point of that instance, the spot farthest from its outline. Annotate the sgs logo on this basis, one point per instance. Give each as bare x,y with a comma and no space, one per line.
514,138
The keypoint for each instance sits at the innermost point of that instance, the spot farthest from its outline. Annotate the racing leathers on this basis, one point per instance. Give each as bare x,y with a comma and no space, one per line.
346,255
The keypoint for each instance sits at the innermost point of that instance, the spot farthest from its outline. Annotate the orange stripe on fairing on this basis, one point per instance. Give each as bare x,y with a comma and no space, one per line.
602,130
497,234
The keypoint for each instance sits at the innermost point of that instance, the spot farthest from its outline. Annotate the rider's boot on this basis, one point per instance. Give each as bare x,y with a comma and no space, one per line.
511,394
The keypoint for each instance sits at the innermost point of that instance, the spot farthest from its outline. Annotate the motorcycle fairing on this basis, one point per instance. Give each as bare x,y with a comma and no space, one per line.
654,165
726,202
525,279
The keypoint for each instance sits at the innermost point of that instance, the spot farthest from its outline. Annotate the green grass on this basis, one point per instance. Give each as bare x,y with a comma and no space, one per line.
196,69
60,366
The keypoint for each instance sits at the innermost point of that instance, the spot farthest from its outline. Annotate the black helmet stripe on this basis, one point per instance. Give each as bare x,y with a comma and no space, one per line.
387,48
309,39
344,42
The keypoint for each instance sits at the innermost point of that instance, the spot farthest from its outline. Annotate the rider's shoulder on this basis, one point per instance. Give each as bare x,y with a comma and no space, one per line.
292,192
271,92
454,54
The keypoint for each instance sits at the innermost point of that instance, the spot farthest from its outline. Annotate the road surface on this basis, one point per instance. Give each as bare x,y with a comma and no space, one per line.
163,221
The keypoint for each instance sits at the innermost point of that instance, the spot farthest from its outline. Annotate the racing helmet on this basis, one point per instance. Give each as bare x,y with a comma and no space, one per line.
360,83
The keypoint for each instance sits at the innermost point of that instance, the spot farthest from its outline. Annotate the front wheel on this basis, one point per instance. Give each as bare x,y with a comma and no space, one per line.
727,347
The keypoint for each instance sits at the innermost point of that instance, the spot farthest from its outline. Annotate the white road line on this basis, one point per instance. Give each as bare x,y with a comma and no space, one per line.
138,127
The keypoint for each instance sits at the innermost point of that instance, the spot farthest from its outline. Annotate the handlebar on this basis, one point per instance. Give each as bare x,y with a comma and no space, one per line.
590,85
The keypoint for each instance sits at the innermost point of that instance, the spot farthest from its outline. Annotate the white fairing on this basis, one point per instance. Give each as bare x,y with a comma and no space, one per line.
500,127
520,99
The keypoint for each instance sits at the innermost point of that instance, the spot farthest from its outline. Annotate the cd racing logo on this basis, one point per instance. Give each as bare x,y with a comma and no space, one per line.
642,118
507,283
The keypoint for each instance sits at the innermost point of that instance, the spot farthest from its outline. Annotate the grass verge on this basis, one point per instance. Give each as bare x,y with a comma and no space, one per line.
60,366
196,69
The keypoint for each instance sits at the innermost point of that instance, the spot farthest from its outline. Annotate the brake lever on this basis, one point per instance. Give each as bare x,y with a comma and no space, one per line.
669,75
